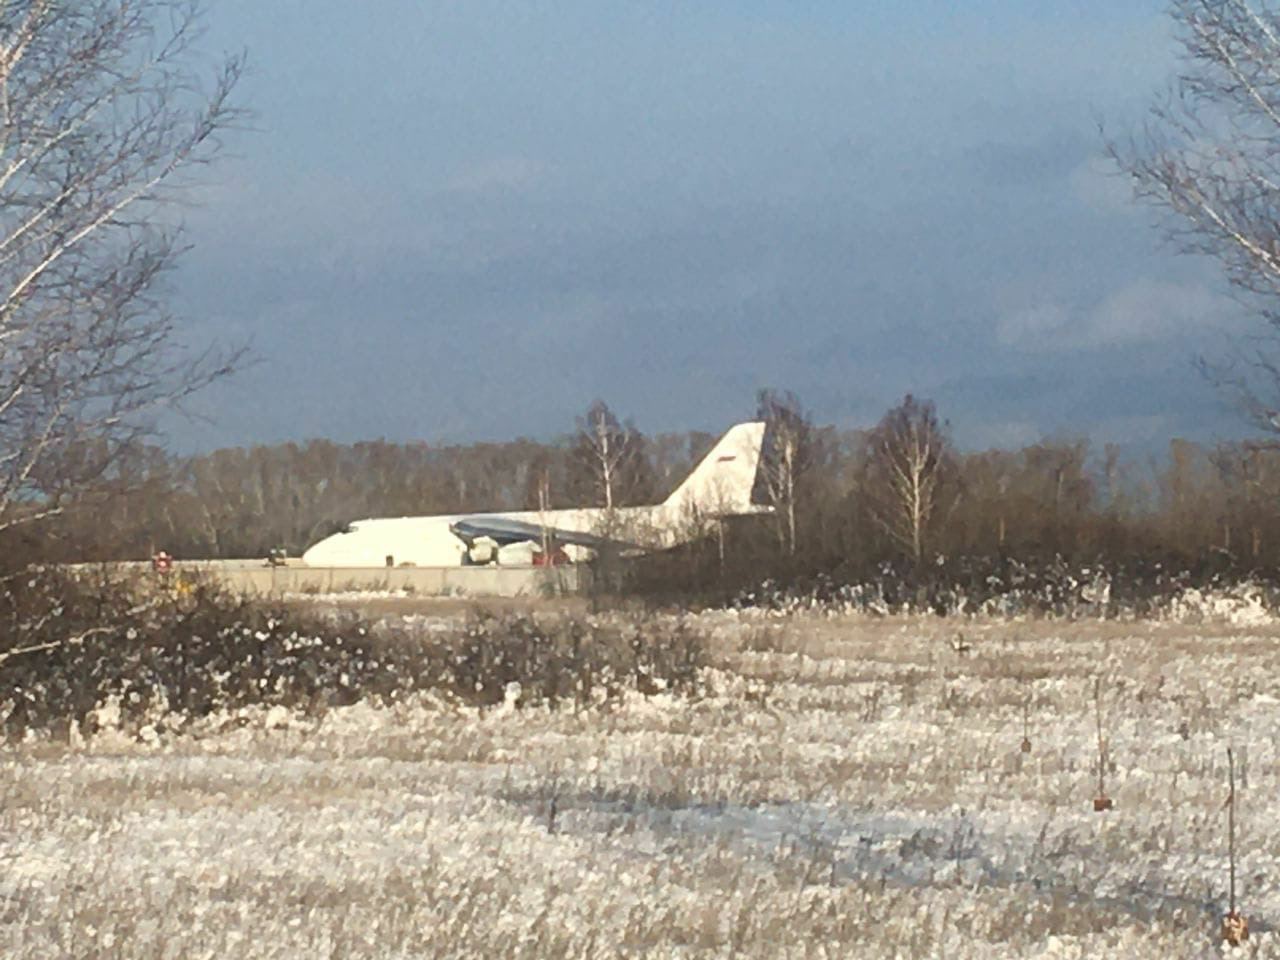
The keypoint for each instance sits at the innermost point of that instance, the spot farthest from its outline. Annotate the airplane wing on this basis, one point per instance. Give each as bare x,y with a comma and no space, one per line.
504,530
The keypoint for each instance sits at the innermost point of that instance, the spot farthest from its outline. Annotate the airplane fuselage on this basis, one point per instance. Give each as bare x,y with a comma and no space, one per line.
720,485
429,542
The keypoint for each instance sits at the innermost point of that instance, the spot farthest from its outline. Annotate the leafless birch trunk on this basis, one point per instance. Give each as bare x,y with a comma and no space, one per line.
787,454
909,459
608,452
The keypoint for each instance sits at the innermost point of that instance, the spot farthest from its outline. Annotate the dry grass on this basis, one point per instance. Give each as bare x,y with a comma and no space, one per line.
846,788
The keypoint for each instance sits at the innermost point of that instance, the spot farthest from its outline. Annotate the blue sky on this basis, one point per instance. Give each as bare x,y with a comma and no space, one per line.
461,221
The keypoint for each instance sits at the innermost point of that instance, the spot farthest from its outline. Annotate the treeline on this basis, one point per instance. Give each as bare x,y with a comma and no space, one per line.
247,501
900,494
845,501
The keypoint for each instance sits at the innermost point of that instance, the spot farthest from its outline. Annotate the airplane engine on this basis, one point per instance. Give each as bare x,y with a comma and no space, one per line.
483,550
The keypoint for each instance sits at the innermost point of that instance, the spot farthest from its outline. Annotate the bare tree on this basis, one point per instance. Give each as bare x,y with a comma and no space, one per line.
608,452
909,461
1210,154
101,119
787,455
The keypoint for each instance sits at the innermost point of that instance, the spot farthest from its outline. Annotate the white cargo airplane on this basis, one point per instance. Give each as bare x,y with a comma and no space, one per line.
719,486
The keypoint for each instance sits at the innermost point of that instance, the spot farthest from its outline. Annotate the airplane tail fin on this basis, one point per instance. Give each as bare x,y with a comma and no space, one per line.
723,481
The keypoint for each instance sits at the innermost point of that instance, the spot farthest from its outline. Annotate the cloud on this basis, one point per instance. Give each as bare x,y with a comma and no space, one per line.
1135,429
1034,162
1144,311
998,434
1153,310
1037,326
1101,186
498,174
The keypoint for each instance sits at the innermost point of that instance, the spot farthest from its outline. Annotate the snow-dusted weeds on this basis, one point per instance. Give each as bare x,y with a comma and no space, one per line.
1010,590
843,787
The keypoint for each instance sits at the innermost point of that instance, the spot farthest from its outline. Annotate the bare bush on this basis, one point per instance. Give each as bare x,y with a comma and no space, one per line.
70,645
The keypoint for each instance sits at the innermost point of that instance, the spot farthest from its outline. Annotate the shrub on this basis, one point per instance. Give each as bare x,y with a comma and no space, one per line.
173,653
1005,586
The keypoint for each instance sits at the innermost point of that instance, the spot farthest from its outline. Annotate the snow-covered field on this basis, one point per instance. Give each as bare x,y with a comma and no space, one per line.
846,787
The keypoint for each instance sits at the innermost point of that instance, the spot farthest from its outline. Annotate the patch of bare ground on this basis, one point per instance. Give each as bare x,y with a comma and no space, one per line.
840,788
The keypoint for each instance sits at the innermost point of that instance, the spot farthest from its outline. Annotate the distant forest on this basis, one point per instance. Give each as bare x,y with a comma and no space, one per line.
848,501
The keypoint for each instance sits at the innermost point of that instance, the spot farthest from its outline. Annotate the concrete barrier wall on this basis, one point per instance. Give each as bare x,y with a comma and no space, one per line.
491,581
253,577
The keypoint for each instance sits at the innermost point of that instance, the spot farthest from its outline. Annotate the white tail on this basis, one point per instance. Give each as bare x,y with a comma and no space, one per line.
723,481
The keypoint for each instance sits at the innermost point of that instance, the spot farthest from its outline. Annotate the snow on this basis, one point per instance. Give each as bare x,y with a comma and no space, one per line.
848,786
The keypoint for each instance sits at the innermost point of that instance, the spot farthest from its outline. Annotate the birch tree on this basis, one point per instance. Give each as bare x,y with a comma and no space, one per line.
787,455
102,118
909,462
1209,154
609,453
